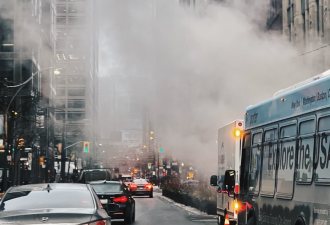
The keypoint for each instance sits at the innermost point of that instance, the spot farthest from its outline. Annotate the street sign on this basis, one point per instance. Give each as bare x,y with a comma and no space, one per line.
23,159
1,142
8,158
168,166
174,163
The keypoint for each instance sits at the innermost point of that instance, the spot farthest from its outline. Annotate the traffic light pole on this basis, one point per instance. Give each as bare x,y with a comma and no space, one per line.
158,169
63,153
5,168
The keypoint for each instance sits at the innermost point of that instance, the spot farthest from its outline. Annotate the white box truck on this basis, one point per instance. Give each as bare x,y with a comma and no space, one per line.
229,155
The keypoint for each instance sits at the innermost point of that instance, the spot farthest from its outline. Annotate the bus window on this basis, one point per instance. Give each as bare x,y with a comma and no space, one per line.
269,163
323,155
324,124
305,152
286,161
245,162
255,164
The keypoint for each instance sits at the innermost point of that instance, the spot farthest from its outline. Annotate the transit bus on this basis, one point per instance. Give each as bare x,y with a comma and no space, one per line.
285,168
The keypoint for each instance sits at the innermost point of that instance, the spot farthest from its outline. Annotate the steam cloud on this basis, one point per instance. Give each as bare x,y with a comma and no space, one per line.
205,66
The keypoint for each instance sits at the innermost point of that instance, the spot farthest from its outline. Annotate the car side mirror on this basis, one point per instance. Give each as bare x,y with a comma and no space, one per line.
214,180
230,182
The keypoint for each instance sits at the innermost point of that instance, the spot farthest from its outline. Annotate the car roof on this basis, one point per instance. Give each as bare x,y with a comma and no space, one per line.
94,170
45,186
105,182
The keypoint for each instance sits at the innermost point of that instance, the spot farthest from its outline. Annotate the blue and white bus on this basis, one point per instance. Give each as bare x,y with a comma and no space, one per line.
285,158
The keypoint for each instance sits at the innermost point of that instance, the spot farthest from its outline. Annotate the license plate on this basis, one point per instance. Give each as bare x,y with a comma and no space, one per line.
140,188
104,201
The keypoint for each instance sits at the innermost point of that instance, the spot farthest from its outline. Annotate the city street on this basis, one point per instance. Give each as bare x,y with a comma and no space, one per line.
162,211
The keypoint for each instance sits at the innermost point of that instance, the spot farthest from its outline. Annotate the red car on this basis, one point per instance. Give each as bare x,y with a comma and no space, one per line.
141,187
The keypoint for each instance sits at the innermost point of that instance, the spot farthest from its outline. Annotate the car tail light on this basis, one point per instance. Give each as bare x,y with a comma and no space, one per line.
120,199
148,186
132,186
101,222
236,189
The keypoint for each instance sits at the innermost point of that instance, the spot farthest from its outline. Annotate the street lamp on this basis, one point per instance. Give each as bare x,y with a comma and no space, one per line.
4,180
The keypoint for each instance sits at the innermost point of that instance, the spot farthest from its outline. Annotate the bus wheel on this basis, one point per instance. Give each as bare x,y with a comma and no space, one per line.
300,221
221,220
251,221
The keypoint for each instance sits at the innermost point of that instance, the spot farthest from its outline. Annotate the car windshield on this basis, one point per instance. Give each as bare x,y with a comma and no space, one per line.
107,187
96,175
47,200
140,181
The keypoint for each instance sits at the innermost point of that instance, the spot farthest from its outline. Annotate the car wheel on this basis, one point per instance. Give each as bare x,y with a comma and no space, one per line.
251,221
128,217
151,195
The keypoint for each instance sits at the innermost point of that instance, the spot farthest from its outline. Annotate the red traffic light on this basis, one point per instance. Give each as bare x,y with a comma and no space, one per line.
164,174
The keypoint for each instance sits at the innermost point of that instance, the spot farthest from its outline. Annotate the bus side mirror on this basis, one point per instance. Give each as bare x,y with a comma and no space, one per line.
230,182
214,180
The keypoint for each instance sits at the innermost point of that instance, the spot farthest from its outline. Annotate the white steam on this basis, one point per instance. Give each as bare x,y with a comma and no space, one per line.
205,65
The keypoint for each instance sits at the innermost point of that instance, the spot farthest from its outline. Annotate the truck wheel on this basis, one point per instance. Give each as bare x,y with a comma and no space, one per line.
221,220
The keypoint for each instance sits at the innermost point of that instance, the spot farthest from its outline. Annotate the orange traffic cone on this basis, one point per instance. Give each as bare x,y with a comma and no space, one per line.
227,220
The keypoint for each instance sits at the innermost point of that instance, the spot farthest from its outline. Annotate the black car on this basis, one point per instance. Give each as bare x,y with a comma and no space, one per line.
116,200
90,175
52,204
141,187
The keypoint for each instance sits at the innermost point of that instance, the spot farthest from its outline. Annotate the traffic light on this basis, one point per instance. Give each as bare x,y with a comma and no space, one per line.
164,174
41,161
161,150
101,165
135,170
86,146
20,142
152,135
149,166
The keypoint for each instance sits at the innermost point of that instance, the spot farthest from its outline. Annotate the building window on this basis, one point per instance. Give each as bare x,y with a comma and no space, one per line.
74,116
60,44
76,92
61,8
60,104
76,80
61,20
78,104
6,35
75,44
60,80
6,69
26,69
61,33
59,115
76,9
290,16
76,69
60,91
74,21
75,32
